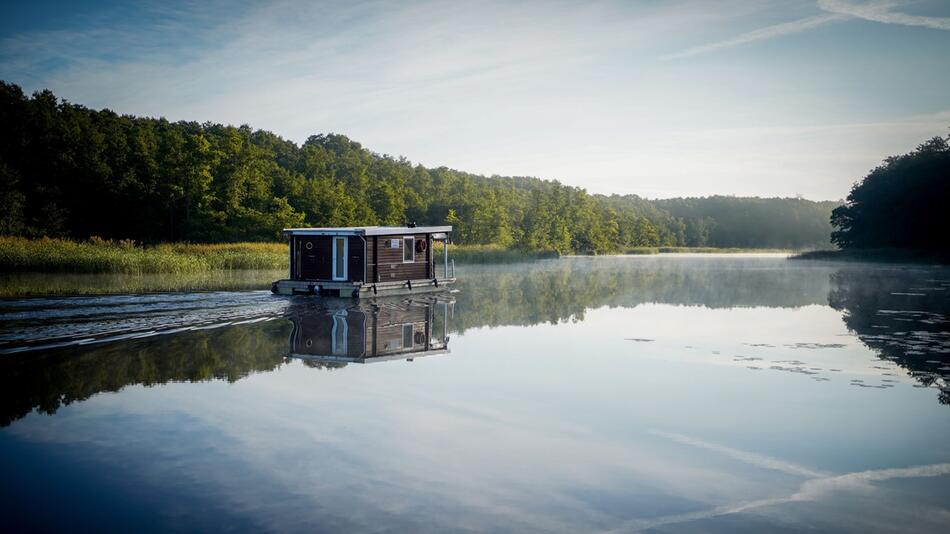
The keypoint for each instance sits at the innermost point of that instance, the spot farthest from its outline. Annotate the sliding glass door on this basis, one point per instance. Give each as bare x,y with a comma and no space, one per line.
340,247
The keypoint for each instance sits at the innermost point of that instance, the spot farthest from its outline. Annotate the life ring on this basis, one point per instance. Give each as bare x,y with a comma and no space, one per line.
421,245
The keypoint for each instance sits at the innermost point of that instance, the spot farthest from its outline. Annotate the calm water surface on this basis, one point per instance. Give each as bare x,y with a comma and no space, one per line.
669,394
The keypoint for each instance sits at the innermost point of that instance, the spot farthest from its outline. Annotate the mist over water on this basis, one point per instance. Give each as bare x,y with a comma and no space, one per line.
683,393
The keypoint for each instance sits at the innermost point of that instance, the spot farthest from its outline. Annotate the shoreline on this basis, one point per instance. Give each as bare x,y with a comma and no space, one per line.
97,256
649,251
883,255
61,284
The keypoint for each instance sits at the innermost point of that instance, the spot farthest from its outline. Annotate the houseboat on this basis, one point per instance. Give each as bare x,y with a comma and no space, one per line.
366,261
365,333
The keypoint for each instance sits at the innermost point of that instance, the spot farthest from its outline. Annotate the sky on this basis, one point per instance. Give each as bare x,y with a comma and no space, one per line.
655,98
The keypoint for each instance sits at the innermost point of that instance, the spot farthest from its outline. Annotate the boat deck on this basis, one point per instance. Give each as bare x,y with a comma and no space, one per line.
359,289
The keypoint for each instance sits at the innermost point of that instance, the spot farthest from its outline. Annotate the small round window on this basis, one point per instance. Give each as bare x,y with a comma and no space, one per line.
309,245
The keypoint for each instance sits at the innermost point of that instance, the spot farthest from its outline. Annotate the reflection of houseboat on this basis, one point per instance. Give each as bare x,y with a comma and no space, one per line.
365,261
368,333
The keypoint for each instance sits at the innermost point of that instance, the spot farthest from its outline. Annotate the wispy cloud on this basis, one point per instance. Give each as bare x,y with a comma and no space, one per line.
883,12
768,32
819,487
813,489
750,458
835,11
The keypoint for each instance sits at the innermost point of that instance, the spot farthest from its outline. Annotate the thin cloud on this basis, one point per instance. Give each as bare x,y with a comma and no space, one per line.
819,487
883,12
769,32
837,10
750,458
813,489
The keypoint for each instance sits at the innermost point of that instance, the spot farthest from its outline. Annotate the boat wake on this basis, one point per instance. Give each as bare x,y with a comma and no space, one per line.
46,323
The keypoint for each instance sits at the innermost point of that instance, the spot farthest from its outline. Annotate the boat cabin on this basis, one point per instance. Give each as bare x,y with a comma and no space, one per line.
365,260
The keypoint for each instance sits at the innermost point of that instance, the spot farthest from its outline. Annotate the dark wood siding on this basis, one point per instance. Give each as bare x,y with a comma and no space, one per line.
315,262
390,327
292,242
371,244
384,332
354,270
429,256
372,260
390,260
314,334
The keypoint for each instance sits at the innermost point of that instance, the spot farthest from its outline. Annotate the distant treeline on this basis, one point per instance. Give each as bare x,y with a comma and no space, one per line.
69,171
901,204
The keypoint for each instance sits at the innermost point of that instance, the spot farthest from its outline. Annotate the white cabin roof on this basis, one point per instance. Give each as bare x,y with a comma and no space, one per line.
369,230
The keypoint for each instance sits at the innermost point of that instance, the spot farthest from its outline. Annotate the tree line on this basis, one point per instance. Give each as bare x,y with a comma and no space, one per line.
69,171
900,204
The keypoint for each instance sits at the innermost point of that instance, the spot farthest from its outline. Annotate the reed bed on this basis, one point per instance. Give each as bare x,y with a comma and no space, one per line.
101,256
641,251
722,250
702,250
34,284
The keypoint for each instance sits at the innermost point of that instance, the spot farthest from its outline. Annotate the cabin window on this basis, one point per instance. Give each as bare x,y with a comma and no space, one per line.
408,249
394,243
407,336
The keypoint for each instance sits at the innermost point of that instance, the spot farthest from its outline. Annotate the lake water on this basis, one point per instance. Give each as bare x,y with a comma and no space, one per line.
668,394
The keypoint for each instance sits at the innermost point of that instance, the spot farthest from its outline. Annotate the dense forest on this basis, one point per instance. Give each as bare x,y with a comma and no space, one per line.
900,204
69,171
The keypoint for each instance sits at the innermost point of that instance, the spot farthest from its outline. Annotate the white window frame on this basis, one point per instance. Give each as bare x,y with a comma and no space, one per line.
412,248
346,262
340,327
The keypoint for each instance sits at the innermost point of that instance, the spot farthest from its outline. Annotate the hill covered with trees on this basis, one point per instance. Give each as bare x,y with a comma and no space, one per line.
901,204
69,171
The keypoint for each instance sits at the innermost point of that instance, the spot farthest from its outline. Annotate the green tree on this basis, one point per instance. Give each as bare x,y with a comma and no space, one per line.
899,204
68,170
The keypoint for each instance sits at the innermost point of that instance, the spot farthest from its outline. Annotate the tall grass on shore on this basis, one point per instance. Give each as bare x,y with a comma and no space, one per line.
35,284
20,255
100,256
703,250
